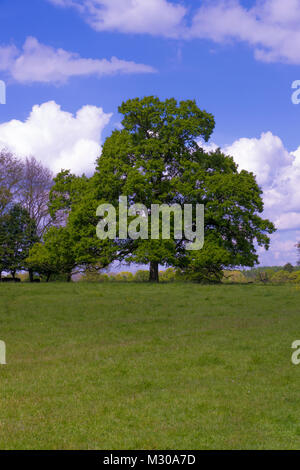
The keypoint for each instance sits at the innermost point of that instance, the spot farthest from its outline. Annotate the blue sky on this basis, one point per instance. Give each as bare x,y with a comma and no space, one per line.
238,59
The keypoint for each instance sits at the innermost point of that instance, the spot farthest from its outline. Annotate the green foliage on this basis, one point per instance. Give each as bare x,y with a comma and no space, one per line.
234,277
76,197
55,277
288,267
18,234
281,277
285,276
76,244
273,274
156,138
253,274
141,276
169,275
24,277
55,255
206,265
156,159
94,276
67,190
124,276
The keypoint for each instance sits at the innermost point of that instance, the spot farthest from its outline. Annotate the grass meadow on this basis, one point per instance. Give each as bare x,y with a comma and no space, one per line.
141,366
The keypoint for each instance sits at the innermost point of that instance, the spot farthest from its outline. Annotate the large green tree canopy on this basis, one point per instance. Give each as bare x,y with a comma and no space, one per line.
157,158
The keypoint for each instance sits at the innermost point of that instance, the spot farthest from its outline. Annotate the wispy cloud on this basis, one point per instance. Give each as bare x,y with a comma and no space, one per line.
41,63
270,27
156,17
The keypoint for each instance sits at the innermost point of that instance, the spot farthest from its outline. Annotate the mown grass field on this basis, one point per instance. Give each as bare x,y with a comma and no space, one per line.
138,366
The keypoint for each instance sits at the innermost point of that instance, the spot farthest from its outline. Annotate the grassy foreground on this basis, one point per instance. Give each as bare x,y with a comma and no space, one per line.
138,366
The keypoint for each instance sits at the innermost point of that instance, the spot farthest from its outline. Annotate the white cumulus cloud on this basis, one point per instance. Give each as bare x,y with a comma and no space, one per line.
59,139
278,173
265,157
41,63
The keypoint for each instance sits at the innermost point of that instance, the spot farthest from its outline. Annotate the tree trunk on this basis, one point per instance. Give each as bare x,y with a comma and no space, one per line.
154,272
30,272
48,277
69,277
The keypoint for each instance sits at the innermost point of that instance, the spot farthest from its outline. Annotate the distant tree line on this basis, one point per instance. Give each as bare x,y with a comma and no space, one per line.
264,275
273,274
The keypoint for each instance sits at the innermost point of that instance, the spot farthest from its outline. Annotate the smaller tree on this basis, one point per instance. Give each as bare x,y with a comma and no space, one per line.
288,267
18,234
54,256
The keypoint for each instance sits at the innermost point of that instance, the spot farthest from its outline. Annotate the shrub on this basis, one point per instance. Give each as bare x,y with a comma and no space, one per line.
168,276
141,276
236,277
285,276
124,276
